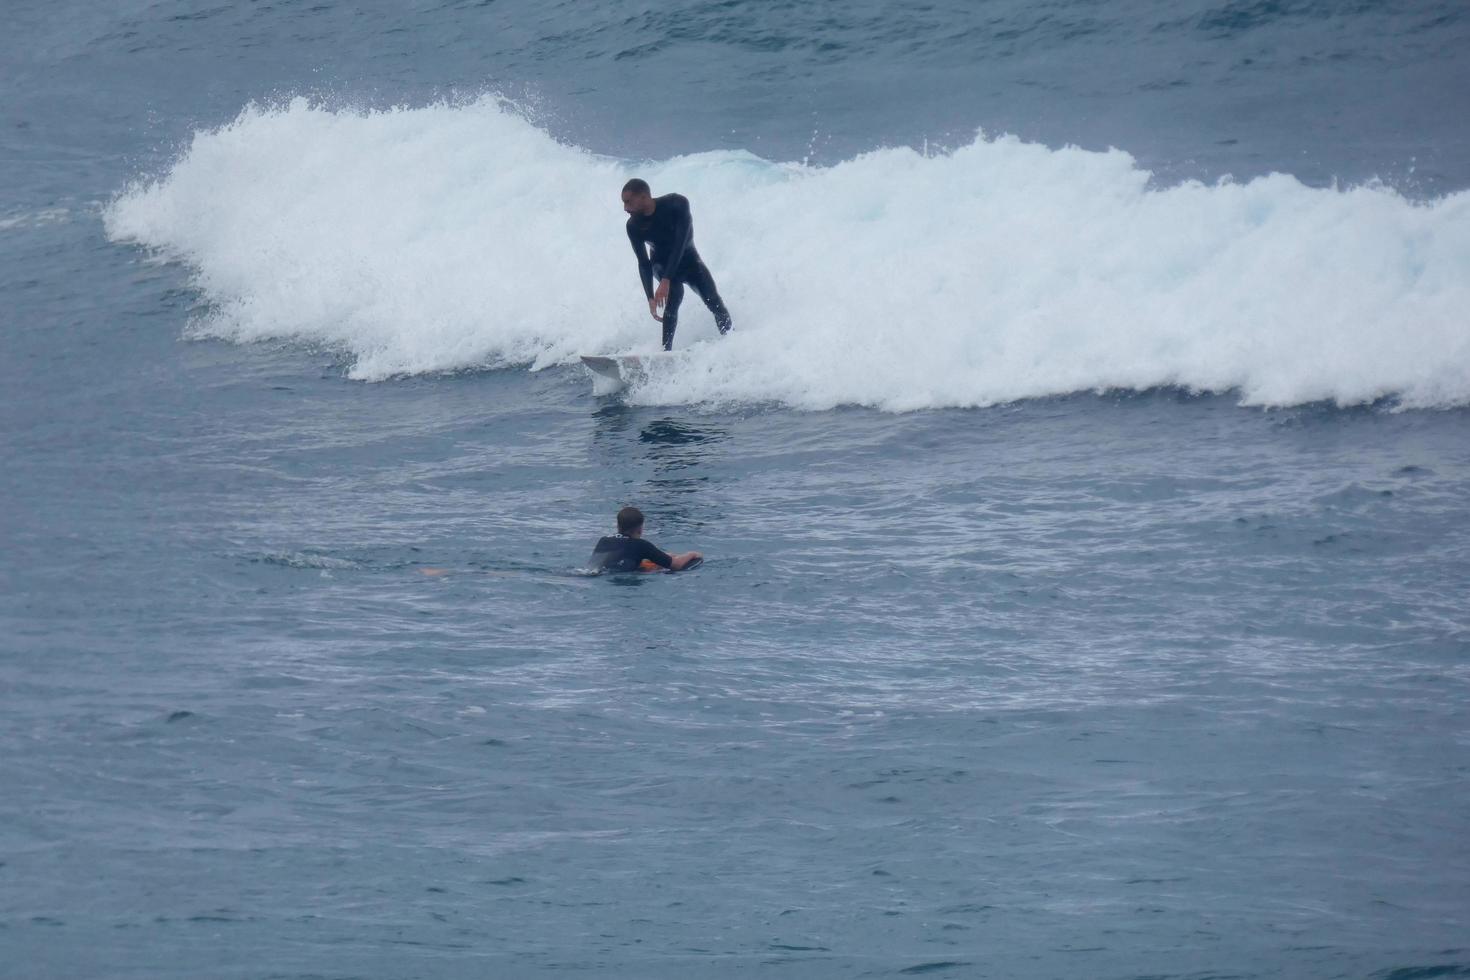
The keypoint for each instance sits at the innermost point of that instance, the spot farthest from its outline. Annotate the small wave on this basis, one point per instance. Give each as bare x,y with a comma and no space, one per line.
34,219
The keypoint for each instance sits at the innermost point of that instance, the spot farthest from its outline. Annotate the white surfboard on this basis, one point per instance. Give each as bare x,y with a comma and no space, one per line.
612,373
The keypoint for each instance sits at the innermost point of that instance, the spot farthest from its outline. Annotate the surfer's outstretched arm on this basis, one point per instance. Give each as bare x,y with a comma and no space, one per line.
655,556
683,561
645,272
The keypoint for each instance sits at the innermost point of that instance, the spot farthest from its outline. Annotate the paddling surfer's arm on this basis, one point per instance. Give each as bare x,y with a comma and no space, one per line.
649,552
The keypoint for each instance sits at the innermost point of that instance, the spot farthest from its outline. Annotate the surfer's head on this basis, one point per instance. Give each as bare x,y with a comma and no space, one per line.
630,522
637,197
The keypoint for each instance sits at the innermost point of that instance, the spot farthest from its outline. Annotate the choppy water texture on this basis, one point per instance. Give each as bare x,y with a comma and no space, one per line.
1087,534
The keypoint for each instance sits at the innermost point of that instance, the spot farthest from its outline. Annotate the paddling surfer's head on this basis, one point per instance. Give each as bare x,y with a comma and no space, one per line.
637,197
630,522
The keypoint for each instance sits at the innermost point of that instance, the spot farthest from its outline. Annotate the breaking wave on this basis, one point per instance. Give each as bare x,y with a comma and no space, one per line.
454,237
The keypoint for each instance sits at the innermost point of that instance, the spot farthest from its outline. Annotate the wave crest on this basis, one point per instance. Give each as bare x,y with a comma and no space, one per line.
461,236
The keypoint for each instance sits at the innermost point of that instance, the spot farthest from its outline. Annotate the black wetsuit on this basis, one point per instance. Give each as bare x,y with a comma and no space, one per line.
670,230
622,554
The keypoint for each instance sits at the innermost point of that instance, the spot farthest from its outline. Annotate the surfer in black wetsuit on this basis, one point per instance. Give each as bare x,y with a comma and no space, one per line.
626,551
664,222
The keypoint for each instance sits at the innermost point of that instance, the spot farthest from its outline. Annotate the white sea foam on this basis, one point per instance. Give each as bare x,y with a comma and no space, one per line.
449,237
34,219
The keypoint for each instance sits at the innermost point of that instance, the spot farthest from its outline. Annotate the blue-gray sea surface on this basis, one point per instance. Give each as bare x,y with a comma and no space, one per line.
1087,596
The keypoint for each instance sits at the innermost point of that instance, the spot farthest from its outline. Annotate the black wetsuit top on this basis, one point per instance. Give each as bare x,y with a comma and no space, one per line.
620,554
670,230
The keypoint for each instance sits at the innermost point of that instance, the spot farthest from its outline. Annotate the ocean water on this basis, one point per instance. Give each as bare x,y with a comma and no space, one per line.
1085,491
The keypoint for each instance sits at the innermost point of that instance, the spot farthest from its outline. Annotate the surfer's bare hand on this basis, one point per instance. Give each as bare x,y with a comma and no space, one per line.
661,294
653,309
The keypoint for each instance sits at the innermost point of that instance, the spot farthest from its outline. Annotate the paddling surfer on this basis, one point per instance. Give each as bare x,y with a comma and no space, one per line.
665,224
626,551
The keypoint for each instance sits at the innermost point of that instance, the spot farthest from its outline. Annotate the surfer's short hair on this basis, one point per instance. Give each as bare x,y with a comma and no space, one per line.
629,519
636,186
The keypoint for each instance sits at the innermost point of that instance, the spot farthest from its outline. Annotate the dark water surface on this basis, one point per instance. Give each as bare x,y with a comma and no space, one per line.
1321,90
1130,683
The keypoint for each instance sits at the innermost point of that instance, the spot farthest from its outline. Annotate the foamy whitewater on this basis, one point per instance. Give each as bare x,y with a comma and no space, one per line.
460,236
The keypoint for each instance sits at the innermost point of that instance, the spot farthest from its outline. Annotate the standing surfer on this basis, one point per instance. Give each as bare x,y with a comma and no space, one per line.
665,223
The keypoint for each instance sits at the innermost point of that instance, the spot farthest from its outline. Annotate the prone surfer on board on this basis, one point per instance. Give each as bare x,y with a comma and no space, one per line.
626,551
664,222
